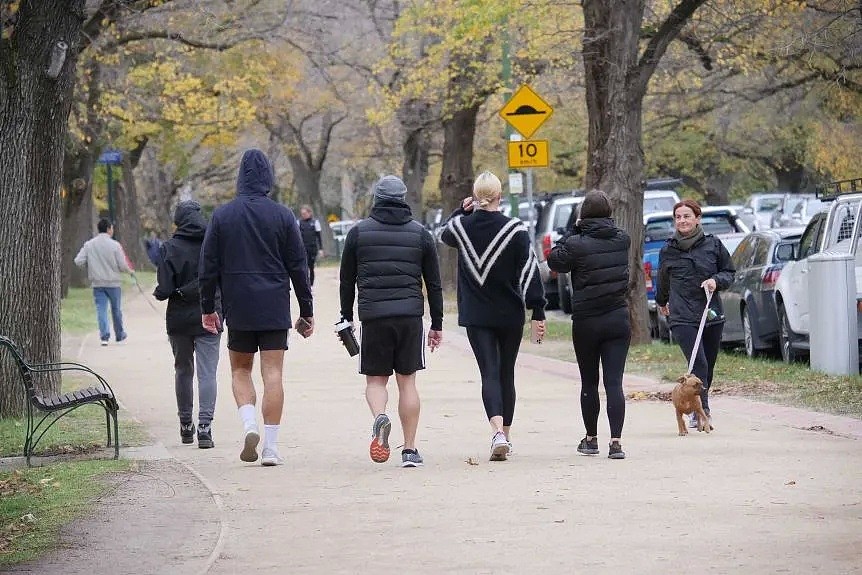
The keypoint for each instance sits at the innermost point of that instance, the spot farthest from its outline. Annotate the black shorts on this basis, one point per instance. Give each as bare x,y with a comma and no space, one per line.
392,344
251,341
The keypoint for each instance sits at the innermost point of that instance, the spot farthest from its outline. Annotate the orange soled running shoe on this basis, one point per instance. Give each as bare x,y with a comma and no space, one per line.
379,448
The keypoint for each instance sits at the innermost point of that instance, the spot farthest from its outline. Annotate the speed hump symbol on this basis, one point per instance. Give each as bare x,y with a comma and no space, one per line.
528,154
526,111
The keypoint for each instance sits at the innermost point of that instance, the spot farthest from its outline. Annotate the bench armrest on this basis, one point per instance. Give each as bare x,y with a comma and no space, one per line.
70,366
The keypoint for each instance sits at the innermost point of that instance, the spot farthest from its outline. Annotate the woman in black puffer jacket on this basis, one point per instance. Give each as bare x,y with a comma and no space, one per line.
597,255
690,263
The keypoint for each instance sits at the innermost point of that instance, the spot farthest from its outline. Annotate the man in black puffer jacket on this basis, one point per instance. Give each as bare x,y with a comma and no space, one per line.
194,348
388,255
597,255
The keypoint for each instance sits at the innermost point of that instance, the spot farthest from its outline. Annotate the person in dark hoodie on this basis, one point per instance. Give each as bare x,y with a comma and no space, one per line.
497,283
596,253
195,349
253,252
690,264
309,229
388,255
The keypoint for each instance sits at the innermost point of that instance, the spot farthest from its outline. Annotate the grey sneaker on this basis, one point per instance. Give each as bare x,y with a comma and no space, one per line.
589,446
411,458
249,449
692,422
205,437
499,447
187,432
615,451
379,448
269,458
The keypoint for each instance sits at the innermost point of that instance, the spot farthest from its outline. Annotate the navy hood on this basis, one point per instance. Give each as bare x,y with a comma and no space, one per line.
602,228
255,174
190,220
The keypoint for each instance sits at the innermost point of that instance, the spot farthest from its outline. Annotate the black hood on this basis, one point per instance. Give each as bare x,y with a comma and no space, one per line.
190,220
391,212
603,228
255,174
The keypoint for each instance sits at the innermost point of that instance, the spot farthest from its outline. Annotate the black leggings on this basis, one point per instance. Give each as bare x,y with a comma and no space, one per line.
606,338
496,349
707,353
310,258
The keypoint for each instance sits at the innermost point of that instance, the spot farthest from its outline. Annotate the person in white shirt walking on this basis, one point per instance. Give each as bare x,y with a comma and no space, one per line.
106,261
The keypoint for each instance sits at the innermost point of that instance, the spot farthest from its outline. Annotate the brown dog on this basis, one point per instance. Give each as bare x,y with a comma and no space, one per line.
686,399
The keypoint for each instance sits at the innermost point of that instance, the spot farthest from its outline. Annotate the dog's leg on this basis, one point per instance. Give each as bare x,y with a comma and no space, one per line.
703,423
681,423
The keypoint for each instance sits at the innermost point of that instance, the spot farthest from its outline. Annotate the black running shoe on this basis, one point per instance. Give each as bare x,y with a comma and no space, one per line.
589,446
615,451
205,437
187,432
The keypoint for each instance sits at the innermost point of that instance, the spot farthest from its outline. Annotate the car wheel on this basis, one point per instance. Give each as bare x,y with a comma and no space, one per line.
785,336
563,294
747,335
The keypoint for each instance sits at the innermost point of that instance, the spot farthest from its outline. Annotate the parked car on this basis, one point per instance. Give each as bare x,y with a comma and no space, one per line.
749,303
721,221
827,229
659,201
757,210
554,217
792,210
339,233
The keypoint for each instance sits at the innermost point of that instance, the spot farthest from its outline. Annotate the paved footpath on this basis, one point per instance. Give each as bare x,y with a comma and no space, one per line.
759,495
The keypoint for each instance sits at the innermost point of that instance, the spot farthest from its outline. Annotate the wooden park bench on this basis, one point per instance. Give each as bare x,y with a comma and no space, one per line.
54,407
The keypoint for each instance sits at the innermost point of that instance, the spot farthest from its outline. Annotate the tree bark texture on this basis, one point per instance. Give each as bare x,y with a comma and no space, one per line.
34,110
128,225
616,82
78,213
456,178
415,118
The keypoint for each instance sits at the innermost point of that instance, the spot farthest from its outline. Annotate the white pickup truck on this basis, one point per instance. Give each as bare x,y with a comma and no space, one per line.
837,227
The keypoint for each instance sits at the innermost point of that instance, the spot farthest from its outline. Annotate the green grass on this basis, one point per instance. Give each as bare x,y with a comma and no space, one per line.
735,374
78,311
35,503
81,431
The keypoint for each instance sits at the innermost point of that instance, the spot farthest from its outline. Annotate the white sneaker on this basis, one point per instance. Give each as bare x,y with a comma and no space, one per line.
104,343
269,458
499,447
249,449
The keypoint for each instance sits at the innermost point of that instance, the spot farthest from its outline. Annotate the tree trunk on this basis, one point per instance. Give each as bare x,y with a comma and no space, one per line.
34,110
616,81
615,156
416,148
78,219
307,180
128,225
789,177
456,178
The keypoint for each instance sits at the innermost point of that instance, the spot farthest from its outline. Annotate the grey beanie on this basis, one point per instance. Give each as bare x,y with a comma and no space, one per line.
390,188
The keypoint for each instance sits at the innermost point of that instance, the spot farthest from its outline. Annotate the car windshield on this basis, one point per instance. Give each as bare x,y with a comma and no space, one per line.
811,206
659,204
562,215
663,229
768,204
717,224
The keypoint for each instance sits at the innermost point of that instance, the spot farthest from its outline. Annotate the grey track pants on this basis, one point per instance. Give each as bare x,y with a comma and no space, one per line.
195,353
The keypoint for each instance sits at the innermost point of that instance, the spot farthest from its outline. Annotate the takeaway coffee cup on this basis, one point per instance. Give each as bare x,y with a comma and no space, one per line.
347,337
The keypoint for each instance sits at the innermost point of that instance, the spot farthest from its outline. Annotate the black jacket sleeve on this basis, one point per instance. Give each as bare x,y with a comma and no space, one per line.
209,267
530,280
431,276
347,275
447,237
663,292
166,285
724,277
296,263
561,259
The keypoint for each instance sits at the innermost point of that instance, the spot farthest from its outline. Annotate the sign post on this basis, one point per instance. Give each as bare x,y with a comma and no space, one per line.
111,158
526,111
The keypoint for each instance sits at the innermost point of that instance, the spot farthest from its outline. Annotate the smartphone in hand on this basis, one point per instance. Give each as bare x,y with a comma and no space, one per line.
303,327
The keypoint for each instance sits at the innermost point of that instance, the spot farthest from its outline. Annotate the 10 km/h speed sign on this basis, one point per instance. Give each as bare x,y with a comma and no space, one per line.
528,154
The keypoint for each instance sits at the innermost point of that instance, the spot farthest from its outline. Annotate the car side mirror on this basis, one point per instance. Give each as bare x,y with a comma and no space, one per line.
785,253
749,211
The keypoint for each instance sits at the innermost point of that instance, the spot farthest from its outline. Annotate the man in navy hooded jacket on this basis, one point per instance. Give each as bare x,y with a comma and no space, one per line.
253,251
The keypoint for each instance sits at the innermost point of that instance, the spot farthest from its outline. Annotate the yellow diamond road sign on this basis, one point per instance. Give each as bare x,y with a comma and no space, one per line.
526,111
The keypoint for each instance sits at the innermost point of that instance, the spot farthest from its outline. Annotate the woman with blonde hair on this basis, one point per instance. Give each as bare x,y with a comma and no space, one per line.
498,281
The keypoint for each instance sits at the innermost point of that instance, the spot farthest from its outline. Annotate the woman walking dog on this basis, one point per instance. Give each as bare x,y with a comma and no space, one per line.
691,264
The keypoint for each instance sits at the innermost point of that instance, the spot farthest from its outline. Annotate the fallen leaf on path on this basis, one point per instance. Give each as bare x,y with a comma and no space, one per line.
790,483
471,461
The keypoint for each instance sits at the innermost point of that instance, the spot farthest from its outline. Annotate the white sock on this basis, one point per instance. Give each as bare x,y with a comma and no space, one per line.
248,414
270,437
